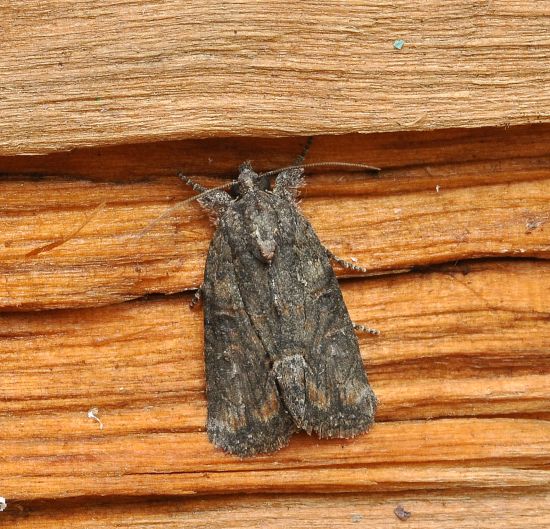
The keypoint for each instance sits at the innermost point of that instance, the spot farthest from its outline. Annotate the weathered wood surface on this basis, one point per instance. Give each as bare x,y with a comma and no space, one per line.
461,369
71,242
461,366
466,510
77,73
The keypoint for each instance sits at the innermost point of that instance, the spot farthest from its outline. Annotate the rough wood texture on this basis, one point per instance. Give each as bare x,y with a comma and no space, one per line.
428,511
461,368
79,244
78,73
477,354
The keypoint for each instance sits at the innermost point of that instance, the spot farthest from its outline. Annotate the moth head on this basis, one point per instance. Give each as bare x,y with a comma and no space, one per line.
249,180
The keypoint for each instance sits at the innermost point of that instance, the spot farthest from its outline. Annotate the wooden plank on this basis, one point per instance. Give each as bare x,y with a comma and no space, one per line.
444,454
78,73
461,367
461,370
428,511
73,243
222,156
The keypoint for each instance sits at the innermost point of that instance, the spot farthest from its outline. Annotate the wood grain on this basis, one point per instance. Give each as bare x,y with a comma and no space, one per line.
215,157
428,511
67,241
78,73
433,455
461,367
102,406
461,370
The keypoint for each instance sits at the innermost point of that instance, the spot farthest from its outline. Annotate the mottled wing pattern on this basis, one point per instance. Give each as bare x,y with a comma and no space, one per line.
245,413
319,369
296,310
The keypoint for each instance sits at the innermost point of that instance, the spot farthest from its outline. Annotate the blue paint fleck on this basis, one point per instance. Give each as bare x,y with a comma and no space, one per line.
398,44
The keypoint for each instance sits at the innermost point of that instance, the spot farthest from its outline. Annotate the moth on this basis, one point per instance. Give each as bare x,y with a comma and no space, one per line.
281,353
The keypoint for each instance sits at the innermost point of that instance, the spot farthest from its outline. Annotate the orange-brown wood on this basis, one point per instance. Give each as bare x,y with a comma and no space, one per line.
102,405
461,370
222,156
71,242
455,234
514,510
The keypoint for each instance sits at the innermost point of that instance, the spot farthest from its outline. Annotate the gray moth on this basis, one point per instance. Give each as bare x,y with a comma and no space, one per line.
281,353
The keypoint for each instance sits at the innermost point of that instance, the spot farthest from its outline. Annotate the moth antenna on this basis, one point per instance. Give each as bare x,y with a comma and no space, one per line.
175,207
324,164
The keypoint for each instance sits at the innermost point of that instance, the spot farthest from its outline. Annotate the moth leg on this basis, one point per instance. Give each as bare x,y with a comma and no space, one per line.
350,266
289,182
197,296
302,156
361,328
344,263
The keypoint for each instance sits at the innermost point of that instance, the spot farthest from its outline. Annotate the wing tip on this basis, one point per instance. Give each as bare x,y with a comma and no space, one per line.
256,439
340,423
344,429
